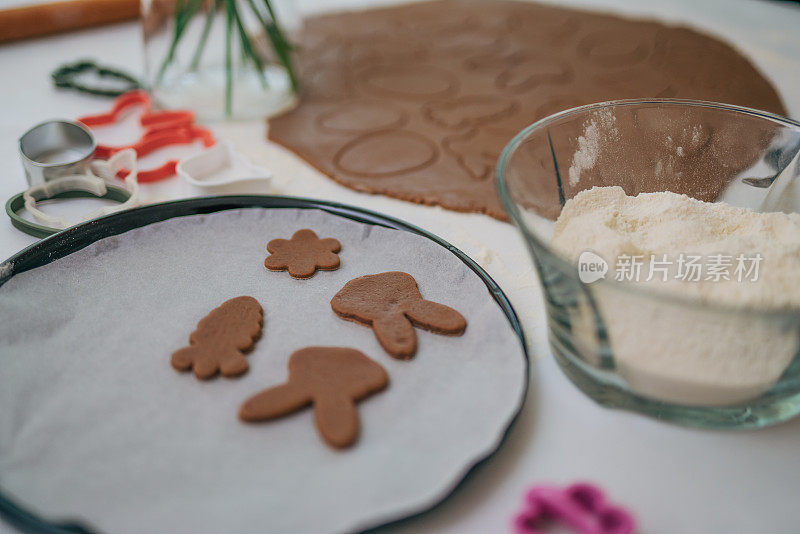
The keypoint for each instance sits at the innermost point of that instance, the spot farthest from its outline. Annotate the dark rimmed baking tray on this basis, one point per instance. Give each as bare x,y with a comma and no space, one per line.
80,236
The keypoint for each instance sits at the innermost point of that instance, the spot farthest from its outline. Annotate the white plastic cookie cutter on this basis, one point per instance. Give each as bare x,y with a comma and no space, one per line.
219,165
97,182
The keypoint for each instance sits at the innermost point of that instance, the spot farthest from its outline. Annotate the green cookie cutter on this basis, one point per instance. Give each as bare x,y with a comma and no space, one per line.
17,203
66,77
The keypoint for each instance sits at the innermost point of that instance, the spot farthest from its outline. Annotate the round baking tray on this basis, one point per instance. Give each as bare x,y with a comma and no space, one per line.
80,236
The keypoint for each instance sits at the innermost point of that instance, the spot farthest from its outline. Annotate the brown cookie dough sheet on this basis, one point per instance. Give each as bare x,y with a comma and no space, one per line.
417,101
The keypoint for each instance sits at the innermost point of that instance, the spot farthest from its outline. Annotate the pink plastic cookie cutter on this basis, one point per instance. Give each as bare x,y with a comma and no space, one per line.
581,506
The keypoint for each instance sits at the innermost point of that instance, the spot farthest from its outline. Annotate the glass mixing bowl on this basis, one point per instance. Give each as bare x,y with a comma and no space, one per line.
628,346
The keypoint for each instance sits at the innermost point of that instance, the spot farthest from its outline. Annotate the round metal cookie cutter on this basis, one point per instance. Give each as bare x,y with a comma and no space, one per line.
55,148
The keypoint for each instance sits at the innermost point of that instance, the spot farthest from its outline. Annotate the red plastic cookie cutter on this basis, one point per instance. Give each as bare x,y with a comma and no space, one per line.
153,140
149,119
162,129
581,506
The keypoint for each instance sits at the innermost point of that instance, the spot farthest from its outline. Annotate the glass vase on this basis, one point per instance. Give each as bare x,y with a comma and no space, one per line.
219,58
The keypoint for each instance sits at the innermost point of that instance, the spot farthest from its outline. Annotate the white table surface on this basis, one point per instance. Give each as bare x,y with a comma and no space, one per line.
676,480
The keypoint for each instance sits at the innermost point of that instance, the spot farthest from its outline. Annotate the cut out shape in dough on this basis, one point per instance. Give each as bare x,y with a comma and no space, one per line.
303,254
333,379
221,339
392,305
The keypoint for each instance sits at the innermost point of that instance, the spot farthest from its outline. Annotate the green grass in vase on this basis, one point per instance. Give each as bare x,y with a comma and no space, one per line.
186,10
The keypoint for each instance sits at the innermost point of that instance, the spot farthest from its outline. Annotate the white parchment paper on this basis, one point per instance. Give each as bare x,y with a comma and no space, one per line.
95,425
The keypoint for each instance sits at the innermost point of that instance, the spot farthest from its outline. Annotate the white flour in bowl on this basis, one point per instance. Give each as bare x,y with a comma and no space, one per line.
686,353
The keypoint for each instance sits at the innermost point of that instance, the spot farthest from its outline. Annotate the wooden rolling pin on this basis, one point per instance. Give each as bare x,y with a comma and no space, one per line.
46,19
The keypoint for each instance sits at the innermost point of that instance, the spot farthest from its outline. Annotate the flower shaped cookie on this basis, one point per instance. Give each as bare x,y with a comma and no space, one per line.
303,254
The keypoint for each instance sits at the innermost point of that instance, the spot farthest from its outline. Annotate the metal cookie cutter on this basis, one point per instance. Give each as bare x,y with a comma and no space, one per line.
55,148
91,184
219,165
581,506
